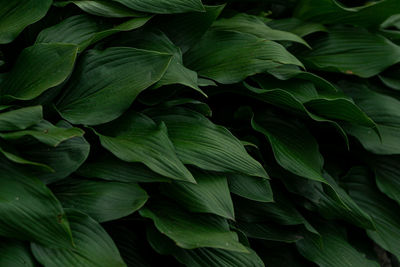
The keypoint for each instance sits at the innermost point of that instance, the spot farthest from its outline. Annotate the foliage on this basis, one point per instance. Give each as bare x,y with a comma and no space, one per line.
199,133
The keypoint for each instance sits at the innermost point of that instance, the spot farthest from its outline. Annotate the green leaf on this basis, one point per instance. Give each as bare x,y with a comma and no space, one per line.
191,231
19,160
24,84
346,50
103,8
383,109
296,26
200,142
156,40
336,250
163,6
20,119
202,256
102,200
253,188
387,176
29,210
135,137
254,25
121,74
15,254
185,30
289,139
110,168
93,246
64,159
84,31
46,133
334,12
209,195
229,57
331,201
383,210
15,16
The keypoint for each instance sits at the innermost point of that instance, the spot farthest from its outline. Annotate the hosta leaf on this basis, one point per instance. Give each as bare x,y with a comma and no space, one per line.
387,175
191,231
383,109
20,119
46,133
111,168
163,6
185,30
121,74
347,50
102,200
134,137
15,16
103,8
335,250
270,231
382,209
253,188
333,11
63,159
155,40
15,254
331,205
208,146
19,160
289,140
84,31
24,84
229,57
29,211
93,246
296,26
209,195
202,256
391,78
253,25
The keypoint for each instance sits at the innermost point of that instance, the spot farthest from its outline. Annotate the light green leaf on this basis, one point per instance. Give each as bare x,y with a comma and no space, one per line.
253,188
200,142
84,31
164,6
190,230
24,84
229,57
93,246
121,73
135,137
209,195
20,119
29,210
102,200
15,16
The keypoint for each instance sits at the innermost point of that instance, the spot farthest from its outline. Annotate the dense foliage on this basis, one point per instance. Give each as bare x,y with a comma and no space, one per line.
199,133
